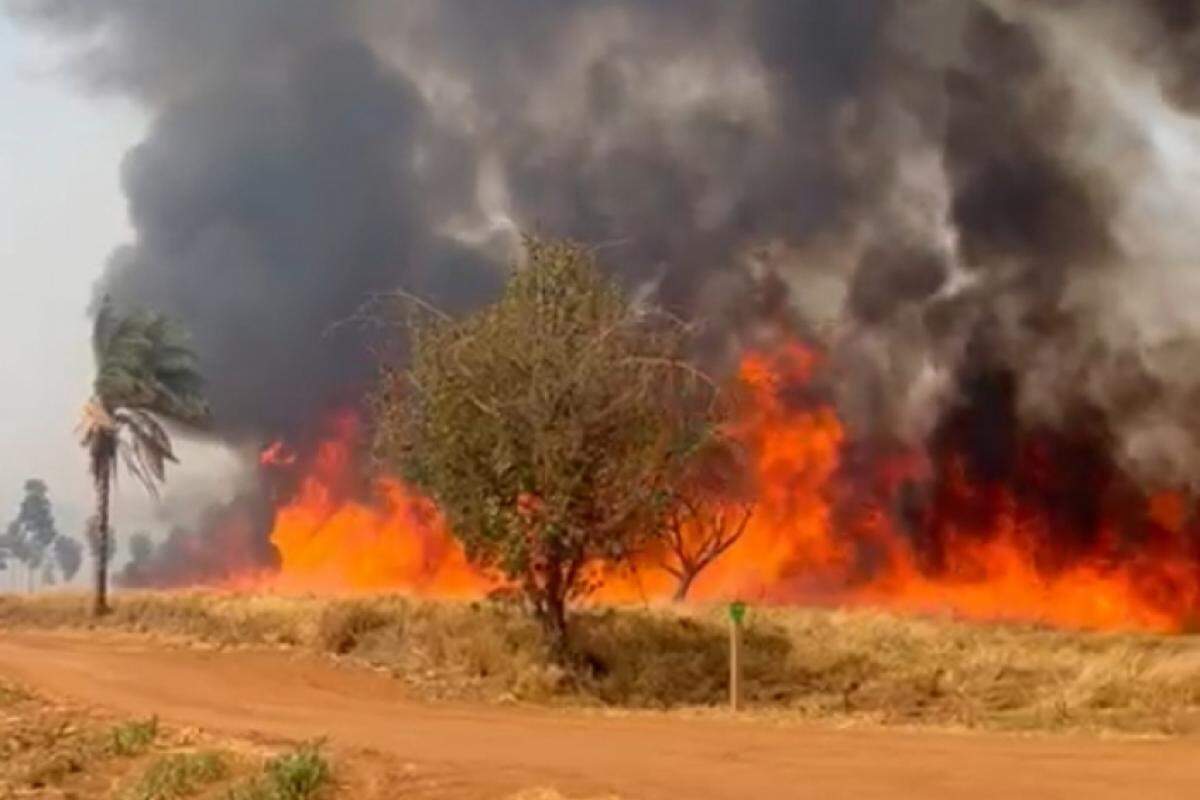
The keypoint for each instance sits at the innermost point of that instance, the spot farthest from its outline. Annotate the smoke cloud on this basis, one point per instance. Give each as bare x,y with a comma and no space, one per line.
940,189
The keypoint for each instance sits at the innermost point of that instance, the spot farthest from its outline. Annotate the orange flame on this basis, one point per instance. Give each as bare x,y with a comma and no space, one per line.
395,540
814,536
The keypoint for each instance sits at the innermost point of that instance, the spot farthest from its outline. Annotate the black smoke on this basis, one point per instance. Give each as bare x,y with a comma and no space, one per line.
226,544
303,156
268,212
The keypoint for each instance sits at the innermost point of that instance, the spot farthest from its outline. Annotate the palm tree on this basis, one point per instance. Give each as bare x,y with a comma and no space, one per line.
146,376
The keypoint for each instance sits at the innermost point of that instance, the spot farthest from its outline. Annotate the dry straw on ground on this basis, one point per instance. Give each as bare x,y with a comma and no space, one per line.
858,666
52,750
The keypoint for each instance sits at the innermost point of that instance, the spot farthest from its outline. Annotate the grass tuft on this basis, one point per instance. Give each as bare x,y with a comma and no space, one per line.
133,738
177,776
342,626
298,775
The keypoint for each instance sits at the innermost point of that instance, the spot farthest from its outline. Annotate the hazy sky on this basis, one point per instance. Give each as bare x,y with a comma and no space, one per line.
61,213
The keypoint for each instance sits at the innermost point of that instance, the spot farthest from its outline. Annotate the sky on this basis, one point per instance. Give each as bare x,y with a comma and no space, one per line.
61,213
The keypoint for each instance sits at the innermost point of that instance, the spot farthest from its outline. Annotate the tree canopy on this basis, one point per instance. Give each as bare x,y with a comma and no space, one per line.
30,534
36,516
145,374
68,554
549,425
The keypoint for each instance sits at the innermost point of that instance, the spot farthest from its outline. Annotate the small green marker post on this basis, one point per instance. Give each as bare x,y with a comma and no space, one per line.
737,612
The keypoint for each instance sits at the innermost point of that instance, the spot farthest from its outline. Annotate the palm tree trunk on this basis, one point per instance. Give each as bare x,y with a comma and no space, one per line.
100,600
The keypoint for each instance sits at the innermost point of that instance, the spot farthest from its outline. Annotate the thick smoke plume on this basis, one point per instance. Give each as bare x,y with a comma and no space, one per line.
944,191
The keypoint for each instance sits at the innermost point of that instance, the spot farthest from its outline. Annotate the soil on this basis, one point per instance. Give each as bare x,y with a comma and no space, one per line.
394,746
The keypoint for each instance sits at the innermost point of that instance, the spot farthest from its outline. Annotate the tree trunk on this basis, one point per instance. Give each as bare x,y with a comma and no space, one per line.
100,600
547,586
685,583
556,626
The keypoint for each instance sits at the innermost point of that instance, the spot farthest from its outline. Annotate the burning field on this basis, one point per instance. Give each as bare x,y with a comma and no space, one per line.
651,380
994,522
943,251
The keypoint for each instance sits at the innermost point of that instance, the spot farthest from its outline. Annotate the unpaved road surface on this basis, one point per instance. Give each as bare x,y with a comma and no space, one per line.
466,752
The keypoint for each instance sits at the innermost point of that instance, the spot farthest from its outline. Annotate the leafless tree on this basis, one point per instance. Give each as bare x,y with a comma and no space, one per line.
698,532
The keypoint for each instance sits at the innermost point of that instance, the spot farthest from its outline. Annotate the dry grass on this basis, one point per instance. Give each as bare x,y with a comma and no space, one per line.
58,751
50,750
43,745
799,662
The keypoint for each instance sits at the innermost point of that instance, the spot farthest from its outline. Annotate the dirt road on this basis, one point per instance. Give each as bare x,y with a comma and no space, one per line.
450,751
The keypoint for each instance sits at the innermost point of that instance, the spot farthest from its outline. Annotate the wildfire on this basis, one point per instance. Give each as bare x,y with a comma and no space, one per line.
329,541
825,528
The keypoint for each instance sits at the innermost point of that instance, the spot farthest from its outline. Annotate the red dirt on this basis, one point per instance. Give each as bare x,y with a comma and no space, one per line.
467,752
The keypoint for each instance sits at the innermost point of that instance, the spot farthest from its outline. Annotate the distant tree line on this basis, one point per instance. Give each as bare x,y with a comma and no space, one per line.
32,551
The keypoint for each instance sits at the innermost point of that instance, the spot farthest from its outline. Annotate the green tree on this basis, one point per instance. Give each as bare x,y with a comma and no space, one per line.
146,376
36,517
14,544
547,426
68,555
141,547
48,577
31,533
141,551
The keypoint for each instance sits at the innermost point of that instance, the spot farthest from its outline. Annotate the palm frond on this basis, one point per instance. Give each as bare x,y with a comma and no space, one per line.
146,377
135,467
151,456
176,374
123,356
144,362
147,433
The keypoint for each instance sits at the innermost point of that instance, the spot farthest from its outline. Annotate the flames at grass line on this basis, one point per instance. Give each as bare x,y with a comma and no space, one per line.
1061,538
